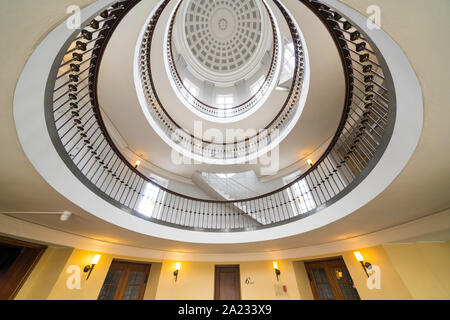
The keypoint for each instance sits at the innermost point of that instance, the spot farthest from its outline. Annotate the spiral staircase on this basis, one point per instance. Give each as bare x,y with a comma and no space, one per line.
328,111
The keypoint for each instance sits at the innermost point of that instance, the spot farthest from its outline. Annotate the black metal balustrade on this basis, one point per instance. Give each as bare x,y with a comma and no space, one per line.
76,127
208,150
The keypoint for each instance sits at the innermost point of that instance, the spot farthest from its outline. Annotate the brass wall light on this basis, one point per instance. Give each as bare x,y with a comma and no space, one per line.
277,271
366,265
90,267
177,269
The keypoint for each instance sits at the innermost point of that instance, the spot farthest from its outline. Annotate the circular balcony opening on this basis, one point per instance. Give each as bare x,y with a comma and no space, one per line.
223,56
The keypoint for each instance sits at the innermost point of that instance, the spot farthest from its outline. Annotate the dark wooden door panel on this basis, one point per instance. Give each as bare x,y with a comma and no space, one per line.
227,283
135,284
113,281
342,280
323,287
125,281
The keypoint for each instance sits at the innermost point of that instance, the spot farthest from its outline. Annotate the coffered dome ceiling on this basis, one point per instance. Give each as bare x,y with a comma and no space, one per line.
224,35
223,55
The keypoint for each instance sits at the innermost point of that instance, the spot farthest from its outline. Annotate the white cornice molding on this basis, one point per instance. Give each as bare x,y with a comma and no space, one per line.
16,228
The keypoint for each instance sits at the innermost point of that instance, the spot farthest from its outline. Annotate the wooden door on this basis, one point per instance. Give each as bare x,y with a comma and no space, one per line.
330,280
227,283
125,281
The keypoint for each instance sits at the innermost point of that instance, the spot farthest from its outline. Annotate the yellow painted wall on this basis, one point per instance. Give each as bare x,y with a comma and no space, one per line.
303,286
392,286
264,278
44,276
90,288
408,271
423,267
196,280
48,280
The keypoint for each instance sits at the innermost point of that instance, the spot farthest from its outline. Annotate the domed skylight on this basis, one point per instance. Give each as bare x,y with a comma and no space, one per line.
223,35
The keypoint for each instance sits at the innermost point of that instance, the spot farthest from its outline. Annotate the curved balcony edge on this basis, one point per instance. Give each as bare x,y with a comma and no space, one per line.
234,113
32,91
197,149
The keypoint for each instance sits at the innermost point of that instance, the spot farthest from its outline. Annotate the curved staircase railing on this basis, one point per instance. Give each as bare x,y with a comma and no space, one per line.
79,135
213,151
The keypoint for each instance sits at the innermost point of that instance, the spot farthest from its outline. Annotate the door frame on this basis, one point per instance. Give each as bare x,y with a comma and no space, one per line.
331,277
21,268
217,282
122,284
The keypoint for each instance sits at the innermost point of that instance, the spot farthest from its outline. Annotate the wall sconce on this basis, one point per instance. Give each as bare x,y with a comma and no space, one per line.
277,271
366,265
137,163
90,267
177,268
309,161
